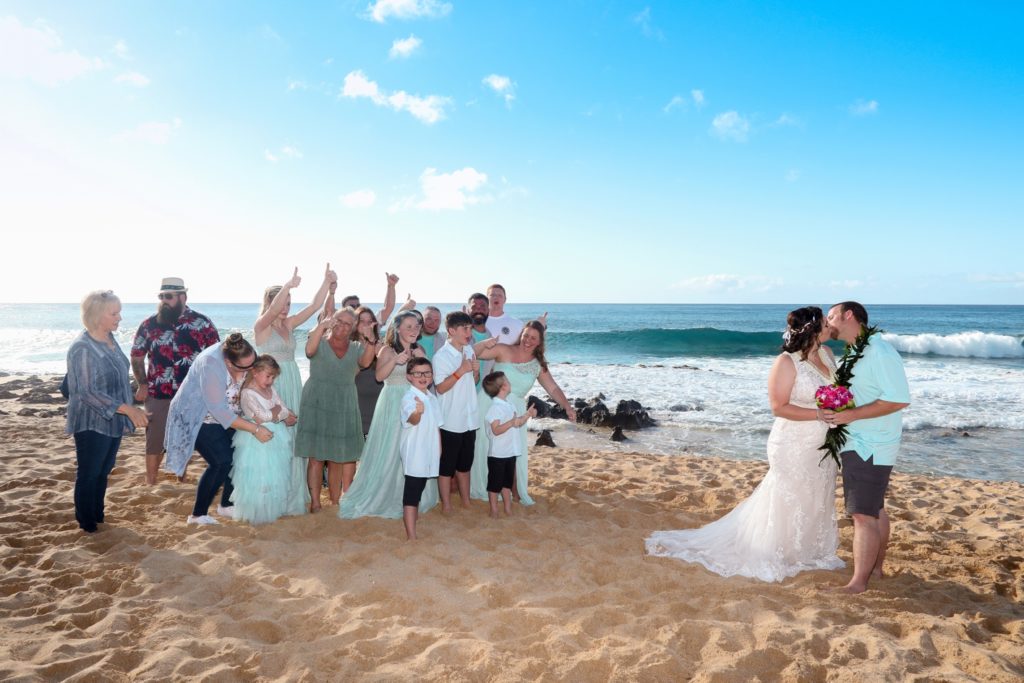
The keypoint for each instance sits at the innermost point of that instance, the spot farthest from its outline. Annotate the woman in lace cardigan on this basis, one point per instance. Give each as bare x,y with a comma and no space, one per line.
204,415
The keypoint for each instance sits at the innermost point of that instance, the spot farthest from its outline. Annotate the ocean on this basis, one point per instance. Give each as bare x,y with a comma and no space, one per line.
701,371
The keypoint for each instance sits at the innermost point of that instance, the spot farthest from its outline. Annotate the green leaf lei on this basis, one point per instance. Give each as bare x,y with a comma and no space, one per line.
835,437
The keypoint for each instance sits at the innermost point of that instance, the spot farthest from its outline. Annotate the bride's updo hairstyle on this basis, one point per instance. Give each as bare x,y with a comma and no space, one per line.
235,348
802,329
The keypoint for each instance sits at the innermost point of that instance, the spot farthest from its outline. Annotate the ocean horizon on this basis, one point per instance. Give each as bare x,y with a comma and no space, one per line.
701,371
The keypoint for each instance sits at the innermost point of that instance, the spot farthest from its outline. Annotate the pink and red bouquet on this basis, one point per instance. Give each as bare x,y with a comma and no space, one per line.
833,397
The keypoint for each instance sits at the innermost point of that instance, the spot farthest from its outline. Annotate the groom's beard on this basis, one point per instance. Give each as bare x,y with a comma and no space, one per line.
168,315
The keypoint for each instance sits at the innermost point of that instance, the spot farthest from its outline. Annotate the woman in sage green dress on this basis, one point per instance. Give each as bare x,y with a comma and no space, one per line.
330,429
377,489
274,333
523,363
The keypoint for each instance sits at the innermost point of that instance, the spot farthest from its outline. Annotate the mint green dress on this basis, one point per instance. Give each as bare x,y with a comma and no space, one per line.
522,377
330,427
289,387
380,480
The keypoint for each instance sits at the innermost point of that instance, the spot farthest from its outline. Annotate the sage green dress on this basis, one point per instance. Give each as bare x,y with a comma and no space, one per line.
330,427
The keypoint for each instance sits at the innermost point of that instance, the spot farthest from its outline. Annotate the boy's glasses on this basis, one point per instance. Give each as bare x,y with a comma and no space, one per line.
421,373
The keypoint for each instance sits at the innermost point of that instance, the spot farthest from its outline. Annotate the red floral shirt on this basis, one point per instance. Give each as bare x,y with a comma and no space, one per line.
171,349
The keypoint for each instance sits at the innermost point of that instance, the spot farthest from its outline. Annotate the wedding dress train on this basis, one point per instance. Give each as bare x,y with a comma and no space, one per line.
788,524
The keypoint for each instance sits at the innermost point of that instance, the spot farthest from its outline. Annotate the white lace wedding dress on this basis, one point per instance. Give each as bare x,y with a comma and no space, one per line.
788,524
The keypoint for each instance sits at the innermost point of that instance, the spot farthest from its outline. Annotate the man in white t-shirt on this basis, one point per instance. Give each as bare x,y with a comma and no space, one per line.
500,325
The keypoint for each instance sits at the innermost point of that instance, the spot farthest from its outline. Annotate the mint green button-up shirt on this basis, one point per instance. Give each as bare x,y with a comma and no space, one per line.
878,375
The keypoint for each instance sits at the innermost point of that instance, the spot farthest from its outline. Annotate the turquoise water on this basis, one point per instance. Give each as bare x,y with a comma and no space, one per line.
702,369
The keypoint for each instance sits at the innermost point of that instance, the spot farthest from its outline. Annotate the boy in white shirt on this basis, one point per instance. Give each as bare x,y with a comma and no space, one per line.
420,441
455,374
506,443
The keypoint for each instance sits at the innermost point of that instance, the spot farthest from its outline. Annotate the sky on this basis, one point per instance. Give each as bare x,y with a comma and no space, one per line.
581,152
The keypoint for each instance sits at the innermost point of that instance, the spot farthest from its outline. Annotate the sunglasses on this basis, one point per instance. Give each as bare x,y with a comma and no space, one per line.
167,296
243,367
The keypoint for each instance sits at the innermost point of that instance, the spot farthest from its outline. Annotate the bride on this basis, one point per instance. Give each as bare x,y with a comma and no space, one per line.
788,524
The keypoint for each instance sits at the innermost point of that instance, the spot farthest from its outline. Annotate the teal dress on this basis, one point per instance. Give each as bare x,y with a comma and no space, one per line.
261,473
289,387
380,479
522,377
330,427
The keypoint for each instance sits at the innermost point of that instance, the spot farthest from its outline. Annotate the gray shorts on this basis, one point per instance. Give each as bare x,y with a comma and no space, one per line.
864,484
157,409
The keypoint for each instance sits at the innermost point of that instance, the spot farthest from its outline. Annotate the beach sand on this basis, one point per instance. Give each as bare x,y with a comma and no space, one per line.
561,591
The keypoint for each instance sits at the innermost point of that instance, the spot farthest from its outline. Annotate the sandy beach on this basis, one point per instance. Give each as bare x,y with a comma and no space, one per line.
561,591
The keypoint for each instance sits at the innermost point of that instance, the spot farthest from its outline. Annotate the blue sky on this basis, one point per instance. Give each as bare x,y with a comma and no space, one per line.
574,151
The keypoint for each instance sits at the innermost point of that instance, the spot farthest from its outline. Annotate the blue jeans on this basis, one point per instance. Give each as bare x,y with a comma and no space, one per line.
214,444
96,455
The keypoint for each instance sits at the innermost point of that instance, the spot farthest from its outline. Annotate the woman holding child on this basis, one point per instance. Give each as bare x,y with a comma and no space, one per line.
204,416
274,332
523,364
377,489
330,429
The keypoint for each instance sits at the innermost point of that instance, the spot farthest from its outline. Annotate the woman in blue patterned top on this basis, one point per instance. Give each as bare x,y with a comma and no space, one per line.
100,409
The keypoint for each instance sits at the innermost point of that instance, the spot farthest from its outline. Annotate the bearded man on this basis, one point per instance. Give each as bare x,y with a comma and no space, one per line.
170,340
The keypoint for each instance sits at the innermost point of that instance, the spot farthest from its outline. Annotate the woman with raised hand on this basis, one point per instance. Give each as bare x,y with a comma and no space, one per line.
100,406
377,489
367,386
330,429
204,415
523,364
274,332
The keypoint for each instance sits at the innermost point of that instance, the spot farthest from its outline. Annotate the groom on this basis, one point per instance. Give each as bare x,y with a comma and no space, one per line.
880,390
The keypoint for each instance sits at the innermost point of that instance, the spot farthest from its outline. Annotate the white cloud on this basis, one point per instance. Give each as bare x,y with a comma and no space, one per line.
121,50
846,284
381,10
862,108
792,175
132,78
404,47
153,132
34,52
286,151
297,85
724,282
1012,279
731,126
698,97
446,191
502,85
647,27
430,109
677,102
359,199
786,120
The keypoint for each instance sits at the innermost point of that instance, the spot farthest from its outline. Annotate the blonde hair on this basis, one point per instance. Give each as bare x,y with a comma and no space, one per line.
93,306
264,362
268,297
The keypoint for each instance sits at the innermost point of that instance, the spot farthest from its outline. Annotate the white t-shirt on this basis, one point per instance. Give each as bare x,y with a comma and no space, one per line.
506,328
420,444
458,404
508,444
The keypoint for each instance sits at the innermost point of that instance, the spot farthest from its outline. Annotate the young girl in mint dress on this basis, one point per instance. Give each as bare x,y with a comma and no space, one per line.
262,471
274,333
523,363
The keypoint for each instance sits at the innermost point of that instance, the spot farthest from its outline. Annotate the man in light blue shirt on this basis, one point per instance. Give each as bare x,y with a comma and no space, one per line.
880,392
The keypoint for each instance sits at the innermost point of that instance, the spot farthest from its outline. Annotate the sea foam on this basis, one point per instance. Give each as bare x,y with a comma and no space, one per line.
961,344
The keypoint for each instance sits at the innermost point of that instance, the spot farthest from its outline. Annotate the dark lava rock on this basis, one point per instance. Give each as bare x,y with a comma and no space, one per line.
617,435
543,408
966,434
544,439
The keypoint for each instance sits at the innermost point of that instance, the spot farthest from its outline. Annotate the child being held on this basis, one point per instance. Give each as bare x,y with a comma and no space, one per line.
420,442
505,444
262,471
